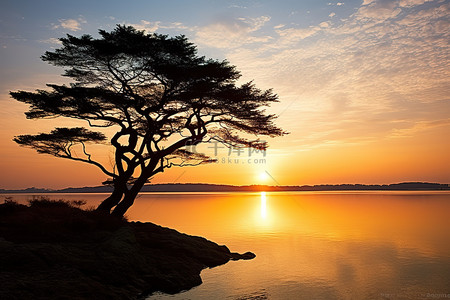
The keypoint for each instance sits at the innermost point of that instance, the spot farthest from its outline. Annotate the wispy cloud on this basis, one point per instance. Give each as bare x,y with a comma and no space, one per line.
338,3
418,127
233,32
410,3
147,25
150,26
381,9
296,34
53,41
70,24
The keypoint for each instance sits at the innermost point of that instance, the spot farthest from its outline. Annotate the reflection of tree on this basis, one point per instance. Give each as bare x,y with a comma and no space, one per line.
157,94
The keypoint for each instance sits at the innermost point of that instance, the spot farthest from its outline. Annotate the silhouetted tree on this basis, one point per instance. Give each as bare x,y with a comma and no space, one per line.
157,94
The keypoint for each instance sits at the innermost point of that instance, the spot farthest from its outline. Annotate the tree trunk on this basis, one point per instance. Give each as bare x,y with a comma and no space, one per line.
128,199
124,205
112,200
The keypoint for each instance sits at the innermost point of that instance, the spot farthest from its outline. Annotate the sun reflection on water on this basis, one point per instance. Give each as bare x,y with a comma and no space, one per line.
263,205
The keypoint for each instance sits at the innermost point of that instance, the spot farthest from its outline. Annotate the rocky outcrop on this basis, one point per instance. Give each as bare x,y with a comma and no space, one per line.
51,258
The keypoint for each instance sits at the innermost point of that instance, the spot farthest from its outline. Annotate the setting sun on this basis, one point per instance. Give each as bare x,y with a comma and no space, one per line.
263,176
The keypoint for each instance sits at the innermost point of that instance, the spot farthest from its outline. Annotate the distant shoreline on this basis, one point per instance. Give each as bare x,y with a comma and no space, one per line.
203,187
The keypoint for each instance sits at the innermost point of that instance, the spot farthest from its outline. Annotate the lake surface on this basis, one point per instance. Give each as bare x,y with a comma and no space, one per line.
311,245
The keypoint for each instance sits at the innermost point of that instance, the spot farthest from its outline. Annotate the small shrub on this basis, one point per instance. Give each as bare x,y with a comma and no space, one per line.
46,202
10,206
78,203
9,200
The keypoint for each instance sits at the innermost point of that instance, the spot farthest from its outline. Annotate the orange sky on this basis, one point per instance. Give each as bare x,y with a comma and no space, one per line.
364,91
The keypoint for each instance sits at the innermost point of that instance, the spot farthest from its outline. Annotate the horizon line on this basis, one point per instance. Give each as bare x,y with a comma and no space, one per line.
437,184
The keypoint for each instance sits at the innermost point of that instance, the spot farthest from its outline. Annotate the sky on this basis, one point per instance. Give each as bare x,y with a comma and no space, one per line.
364,86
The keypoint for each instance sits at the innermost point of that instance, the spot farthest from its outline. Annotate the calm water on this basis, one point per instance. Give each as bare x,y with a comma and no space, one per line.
326,245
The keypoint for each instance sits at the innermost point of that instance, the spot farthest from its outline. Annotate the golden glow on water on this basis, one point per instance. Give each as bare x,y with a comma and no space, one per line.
320,245
263,205
406,219
327,245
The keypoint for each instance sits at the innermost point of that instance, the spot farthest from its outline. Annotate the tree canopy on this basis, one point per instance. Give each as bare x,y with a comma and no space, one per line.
157,93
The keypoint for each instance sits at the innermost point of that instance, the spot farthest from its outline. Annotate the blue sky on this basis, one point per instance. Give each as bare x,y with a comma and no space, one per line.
365,82
33,24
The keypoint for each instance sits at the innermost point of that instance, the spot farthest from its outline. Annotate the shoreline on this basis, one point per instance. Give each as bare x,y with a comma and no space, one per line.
206,187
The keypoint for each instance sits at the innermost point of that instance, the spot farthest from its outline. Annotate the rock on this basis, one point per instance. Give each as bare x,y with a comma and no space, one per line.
245,256
45,257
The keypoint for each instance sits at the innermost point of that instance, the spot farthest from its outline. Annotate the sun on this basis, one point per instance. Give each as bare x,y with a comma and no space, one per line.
263,176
